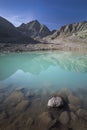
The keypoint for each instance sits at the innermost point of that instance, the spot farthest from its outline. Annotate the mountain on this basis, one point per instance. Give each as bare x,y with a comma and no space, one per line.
27,33
76,32
34,29
73,28
10,34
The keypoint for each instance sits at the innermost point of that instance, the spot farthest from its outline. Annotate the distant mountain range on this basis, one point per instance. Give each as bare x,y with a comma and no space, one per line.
28,33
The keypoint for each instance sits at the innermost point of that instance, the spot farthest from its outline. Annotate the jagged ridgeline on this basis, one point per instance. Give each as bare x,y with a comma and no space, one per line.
29,32
10,34
72,33
34,29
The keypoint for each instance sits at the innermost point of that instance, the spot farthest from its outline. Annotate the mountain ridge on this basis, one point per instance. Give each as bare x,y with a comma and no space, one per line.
75,32
10,34
34,29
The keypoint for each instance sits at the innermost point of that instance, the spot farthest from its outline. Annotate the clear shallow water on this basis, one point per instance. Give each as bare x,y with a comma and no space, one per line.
42,74
43,69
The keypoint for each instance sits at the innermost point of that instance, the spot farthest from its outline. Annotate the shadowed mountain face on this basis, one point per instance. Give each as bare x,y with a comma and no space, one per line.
34,29
7,29
9,33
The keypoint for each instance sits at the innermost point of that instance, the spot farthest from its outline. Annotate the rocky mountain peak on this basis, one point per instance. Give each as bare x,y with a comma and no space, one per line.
34,29
34,22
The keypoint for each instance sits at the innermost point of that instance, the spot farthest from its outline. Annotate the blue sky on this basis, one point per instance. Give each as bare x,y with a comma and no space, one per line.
53,13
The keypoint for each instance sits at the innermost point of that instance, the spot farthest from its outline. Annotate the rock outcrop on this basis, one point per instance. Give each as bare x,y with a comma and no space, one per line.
74,100
64,117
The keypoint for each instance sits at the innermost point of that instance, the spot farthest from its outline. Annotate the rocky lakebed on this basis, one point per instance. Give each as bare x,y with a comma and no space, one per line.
26,109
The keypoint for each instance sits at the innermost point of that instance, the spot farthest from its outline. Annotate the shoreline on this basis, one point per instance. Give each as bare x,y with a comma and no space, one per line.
4,47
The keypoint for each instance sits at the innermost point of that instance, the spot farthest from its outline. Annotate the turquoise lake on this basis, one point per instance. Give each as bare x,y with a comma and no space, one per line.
52,69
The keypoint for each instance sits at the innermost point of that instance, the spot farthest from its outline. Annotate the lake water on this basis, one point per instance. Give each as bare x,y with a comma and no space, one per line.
43,69
29,79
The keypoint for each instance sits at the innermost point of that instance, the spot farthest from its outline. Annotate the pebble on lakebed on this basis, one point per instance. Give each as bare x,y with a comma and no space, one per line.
55,101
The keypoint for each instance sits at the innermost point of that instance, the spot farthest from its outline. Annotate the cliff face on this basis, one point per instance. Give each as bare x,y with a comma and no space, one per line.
34,29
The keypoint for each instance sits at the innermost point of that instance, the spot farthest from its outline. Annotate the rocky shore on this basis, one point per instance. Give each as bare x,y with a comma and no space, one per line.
26,109
40,47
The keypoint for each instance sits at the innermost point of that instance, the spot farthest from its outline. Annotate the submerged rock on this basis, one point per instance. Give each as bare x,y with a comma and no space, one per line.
46,121
73,116
45,118
74,100
55,102
22,105
14,98
3,115
30,94
73,107
82,113
64,117
30,121
21,89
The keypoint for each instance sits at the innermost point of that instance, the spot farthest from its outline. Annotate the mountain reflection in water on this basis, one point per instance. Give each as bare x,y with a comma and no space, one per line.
43,69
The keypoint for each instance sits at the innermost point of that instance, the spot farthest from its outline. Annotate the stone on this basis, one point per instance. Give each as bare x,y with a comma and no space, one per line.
21,89
55,102
22,106
3,115
82,113
64,117
45,118
29,122
29,94
46,121
14,98
74,100
73,116
73,107
64,93
79,124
